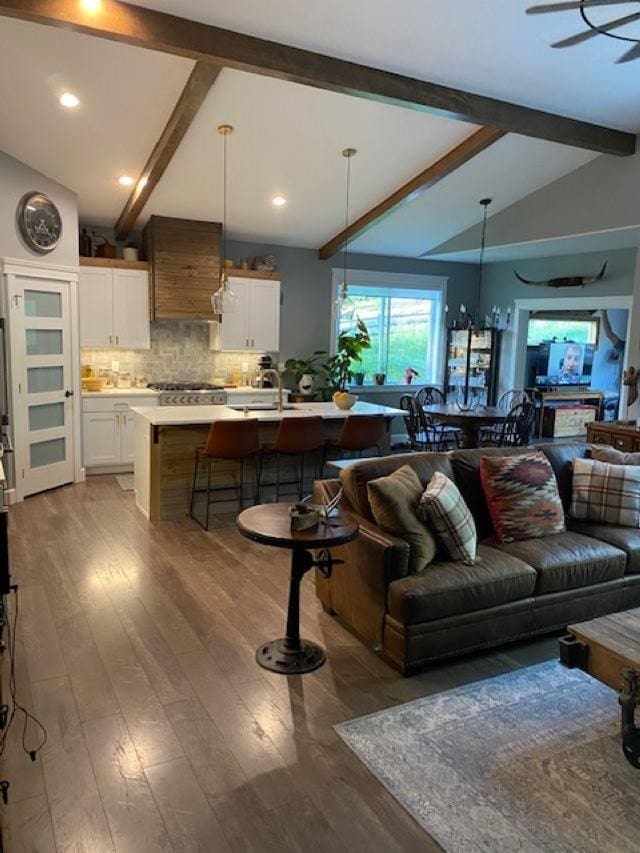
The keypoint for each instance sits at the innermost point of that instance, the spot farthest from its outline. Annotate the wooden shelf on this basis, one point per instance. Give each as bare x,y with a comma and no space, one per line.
269,276
117,263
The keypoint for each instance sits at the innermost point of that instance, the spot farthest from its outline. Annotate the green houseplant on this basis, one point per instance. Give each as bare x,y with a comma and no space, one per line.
303,370
351,344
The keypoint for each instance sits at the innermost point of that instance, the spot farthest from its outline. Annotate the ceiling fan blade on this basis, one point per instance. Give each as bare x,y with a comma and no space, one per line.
589,34
571,5
630,55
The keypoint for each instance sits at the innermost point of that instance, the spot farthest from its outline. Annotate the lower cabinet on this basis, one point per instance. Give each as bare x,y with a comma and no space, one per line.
108,431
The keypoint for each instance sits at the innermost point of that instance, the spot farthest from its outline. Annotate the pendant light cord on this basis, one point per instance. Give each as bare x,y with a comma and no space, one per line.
224,199
346,226
485,202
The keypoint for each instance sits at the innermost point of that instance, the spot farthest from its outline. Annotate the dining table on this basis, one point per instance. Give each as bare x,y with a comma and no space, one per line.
468,421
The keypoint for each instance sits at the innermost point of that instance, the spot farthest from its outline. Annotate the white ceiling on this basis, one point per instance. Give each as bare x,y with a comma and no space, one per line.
485,46
288,137
113,130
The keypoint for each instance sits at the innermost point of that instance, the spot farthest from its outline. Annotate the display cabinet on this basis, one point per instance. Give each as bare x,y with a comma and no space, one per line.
472,363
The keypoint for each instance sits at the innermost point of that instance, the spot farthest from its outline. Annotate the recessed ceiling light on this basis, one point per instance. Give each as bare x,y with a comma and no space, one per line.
278,201
69,100
126,181
91,6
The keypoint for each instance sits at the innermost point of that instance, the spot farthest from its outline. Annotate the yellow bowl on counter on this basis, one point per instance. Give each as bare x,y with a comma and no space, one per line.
344,401
94,383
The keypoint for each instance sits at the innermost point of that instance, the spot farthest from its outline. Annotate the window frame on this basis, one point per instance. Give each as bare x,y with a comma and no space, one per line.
401,282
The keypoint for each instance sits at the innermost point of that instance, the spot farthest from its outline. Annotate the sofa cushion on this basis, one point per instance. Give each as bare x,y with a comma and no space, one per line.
613,456
625,538
561,457
567,560
447,588
443,507
522,495
466,470
608,494
394,500
355,477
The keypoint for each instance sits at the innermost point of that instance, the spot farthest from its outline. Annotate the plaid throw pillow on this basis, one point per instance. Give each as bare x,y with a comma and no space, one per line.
522,495
606,493
444,508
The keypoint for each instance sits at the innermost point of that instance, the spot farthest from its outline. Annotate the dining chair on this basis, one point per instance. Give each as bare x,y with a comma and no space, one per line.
445,434
506,401
422,434
516,429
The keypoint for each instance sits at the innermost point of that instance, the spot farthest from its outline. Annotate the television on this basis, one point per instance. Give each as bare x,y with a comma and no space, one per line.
564,363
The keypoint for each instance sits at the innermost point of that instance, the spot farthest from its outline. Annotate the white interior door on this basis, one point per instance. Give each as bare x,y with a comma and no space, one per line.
41,366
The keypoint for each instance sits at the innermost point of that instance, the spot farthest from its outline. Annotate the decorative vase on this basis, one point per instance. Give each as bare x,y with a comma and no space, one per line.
305,384
379,378
358,378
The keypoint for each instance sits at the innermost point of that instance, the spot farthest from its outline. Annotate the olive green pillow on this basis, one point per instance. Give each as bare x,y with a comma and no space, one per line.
393,501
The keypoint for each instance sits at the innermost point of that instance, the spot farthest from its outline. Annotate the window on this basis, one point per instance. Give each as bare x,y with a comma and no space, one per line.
579,331
403,314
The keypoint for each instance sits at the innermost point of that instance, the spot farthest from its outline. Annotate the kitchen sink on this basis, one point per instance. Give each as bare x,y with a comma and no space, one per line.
261,407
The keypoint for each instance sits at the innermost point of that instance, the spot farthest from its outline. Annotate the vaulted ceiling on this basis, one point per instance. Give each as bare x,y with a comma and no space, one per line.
288,137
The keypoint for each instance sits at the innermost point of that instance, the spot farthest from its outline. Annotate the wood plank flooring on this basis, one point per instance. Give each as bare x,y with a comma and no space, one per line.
135,647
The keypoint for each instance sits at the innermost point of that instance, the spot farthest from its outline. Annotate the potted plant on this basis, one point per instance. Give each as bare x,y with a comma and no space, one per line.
304,370
358,377
351,345
409,375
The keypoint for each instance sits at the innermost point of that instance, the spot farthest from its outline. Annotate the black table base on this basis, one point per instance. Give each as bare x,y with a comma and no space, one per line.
277,656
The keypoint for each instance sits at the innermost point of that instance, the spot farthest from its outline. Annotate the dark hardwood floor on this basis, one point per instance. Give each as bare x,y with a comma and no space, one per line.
136,649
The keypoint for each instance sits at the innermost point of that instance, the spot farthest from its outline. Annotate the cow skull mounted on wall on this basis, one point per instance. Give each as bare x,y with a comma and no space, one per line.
568,281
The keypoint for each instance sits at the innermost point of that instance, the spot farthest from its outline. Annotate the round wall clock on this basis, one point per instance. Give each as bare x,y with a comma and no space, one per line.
39,222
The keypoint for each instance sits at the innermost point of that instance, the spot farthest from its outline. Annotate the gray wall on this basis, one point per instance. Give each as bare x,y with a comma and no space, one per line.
306,288
500,286
16,179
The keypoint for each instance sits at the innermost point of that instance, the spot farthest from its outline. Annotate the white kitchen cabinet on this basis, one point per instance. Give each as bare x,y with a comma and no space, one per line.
108,430
114,307
254,322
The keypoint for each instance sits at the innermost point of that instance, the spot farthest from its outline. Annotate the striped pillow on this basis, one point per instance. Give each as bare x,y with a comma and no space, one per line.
444,508
606,493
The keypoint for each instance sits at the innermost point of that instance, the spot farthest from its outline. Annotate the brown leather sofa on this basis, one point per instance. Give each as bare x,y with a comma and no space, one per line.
514,590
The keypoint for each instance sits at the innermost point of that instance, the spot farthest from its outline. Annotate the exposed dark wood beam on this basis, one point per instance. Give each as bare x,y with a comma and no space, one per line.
170,34
433,174
200,81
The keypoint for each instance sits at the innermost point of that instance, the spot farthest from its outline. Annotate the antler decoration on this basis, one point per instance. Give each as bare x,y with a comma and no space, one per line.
567,281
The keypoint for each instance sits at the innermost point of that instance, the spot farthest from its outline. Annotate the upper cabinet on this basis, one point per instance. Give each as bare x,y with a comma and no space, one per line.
114,306
185,267
254,322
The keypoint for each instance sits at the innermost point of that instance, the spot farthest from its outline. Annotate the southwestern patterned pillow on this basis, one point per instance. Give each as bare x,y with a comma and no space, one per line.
522,494
606,493
444,509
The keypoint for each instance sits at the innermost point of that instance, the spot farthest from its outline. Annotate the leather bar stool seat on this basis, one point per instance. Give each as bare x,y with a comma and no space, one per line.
359,433
296,437
233,440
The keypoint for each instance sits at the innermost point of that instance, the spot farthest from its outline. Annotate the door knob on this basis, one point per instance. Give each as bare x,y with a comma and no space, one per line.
68,393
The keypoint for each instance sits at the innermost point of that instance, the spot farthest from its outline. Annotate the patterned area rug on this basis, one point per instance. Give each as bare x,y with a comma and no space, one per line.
529,761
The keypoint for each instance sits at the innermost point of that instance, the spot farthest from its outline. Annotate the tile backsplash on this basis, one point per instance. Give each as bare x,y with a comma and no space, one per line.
179,352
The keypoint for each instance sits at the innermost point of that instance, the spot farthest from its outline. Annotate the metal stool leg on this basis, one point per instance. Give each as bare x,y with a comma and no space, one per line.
208,491
194,484
242,482
277,476
301,483
257,470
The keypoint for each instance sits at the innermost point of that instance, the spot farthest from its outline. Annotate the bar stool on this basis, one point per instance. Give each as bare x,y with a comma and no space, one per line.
359,433
227,441
295,438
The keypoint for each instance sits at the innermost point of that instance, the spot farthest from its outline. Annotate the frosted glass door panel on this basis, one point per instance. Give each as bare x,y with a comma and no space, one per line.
42,303
47,452
47,416
44,380
44,341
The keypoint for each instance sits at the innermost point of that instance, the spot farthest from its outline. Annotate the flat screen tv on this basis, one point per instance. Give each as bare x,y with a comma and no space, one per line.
564,363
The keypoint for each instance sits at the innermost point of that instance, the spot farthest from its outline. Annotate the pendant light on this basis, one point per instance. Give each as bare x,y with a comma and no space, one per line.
344,306
224,299
485,202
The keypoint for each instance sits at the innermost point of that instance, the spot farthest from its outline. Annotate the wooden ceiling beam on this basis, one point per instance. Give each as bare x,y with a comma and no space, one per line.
197,87
429,177
159,31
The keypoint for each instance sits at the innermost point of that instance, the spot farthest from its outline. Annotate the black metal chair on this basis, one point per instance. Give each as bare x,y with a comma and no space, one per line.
422,433
516,429
507,401
446,435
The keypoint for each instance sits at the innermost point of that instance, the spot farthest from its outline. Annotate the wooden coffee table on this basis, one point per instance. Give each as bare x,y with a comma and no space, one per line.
270,524
608,648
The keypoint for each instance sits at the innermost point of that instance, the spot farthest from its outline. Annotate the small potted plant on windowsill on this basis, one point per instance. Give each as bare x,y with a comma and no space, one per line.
358,377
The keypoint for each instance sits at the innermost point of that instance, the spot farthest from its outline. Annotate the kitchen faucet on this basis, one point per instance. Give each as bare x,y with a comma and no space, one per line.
265,371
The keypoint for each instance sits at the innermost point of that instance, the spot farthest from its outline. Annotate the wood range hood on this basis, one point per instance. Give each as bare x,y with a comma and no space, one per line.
184,259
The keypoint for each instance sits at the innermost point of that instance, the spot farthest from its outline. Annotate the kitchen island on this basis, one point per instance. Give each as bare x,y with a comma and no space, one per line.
166,438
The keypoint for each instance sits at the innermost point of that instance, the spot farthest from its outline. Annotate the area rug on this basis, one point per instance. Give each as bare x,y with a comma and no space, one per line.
126,482
529,761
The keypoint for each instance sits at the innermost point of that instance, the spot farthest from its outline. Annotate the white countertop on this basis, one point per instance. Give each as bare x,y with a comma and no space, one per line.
122,392
199,415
